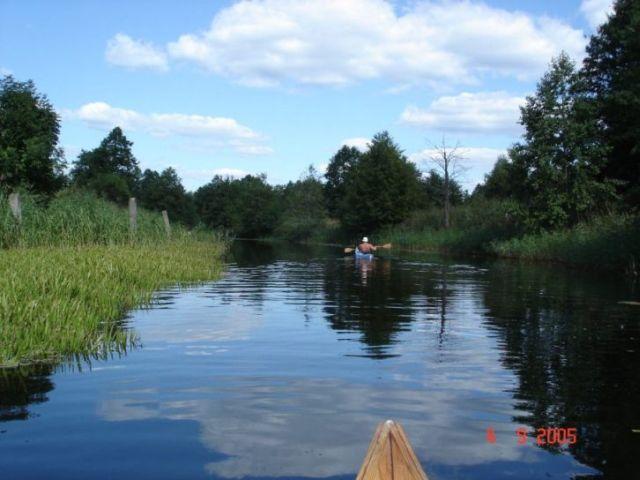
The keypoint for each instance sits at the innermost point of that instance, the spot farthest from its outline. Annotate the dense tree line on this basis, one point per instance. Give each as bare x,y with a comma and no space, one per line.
580,154
579,157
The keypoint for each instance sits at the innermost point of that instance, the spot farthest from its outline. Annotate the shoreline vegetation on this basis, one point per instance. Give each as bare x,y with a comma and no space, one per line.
72,270
608,243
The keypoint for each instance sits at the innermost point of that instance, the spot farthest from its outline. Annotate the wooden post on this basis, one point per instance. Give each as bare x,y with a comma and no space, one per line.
167,225
390,456
133,215
16,207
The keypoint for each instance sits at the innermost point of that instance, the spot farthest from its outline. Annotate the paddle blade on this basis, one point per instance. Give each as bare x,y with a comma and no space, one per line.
387,245
348,250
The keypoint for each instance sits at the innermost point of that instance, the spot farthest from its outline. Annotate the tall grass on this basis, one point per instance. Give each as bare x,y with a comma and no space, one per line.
611,242
473,227
491,228
77,218
71,270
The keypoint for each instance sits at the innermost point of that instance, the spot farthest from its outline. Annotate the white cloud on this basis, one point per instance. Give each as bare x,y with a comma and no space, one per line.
124,51
335,42
218,131
596,11
360,143
208,174
485,112
477,162
5,71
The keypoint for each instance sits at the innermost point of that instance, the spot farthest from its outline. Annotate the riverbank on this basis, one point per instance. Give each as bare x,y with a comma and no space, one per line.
72,269
70,301
606,243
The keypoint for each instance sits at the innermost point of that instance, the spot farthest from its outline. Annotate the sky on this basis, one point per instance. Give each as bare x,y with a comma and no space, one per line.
273,86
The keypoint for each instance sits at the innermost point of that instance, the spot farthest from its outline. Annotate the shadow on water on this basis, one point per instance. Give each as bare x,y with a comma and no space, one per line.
304,337
575,351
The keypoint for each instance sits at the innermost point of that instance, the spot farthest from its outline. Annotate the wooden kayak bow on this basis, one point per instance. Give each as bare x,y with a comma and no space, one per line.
351,250
390,456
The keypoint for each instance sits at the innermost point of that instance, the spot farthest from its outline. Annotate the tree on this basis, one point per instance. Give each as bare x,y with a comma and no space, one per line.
339,166
164,191
450,162
246,206
560,159
381,189
110,170
302,205
433,190
29,130
502,182
612,74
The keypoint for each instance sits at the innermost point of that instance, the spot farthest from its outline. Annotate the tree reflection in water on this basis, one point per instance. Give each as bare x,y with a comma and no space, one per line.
575,352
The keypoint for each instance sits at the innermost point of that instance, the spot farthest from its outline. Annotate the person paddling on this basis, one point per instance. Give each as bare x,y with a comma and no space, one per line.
366,247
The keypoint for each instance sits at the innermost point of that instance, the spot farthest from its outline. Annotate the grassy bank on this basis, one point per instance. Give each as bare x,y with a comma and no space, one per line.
71,271
610,243
77,218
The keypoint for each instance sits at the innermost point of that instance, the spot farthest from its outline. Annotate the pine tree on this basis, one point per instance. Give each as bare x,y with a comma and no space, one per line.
381,189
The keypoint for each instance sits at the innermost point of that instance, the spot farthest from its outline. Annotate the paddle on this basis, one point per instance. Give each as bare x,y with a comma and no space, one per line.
350,250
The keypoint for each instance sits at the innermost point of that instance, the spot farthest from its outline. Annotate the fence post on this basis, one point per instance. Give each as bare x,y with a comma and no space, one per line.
167,225
133,215
16,207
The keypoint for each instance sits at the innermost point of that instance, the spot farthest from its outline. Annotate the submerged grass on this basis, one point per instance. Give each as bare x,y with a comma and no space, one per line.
69,300
72,269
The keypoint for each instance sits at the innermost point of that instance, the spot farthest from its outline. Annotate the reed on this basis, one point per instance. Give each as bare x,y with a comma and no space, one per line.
72,269
611,243
79,218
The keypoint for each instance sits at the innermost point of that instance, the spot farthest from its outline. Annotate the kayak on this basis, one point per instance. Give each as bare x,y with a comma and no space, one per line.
390,456
363,256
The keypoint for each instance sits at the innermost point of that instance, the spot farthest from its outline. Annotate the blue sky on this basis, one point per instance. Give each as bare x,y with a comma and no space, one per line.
276,85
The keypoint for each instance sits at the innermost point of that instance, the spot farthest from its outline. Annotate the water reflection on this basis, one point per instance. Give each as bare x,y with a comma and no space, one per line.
21,387
284,367
575,352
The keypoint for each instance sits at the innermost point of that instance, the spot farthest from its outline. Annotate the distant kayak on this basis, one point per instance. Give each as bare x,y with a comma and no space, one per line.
363,256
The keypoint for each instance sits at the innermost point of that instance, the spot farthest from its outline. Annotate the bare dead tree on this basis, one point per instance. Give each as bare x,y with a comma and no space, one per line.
450,160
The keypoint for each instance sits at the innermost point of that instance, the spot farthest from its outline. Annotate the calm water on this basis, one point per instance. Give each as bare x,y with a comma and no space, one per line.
284,367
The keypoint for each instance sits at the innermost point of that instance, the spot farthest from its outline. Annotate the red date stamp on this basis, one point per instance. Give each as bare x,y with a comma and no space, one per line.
550,436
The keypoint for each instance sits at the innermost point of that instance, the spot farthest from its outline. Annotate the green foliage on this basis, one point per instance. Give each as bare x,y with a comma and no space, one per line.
335,188
382,188
433,190
502,182
475,224
164,191
29,128
66,301
303,214
609,242
110,170
559,161
612,75
247,207
78,218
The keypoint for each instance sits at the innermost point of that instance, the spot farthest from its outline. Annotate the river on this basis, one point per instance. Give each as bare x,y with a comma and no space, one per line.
284,367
